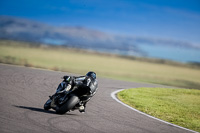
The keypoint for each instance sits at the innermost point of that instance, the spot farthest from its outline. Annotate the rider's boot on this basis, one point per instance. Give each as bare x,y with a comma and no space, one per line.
82,109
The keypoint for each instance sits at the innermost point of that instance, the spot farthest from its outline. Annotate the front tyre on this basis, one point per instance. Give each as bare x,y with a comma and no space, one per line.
71,102
47,105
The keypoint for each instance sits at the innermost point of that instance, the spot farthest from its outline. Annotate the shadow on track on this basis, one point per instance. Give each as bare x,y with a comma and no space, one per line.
36,109
39,110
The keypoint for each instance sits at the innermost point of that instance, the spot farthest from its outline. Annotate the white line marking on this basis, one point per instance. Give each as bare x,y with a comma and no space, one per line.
113,95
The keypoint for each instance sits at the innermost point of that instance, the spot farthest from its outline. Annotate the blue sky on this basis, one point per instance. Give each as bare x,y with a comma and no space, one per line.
166,19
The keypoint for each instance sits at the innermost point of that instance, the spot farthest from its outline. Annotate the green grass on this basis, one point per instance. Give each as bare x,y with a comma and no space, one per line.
79,61
177,106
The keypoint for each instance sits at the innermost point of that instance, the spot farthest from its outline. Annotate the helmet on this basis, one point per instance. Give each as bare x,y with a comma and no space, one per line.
91,74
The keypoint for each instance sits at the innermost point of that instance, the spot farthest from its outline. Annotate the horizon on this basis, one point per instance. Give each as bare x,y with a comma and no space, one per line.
175,20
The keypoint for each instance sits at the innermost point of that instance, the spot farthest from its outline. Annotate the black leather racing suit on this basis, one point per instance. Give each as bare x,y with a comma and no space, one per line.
88,86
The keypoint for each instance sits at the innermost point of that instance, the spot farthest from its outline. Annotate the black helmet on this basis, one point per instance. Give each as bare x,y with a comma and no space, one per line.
91,74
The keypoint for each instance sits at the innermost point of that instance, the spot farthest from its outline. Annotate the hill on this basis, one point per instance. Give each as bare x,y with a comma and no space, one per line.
14,28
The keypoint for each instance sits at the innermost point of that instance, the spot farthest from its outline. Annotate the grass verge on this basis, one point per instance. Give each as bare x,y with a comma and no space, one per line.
177,106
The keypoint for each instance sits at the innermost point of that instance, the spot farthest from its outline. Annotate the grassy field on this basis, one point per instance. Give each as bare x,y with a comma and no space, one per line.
78,61
178,106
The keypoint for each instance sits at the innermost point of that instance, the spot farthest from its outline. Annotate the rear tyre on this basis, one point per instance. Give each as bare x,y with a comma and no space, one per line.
73,100
47,105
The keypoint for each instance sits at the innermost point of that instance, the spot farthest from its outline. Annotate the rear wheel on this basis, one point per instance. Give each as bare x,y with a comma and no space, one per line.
71,102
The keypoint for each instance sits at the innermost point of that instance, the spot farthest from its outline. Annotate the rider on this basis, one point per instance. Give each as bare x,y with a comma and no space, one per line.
88,86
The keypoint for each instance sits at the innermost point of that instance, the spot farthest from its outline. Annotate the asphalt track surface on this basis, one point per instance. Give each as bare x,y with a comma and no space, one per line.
23,92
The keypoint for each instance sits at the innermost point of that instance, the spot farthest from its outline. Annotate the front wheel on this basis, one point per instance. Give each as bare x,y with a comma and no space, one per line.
70,103
47,105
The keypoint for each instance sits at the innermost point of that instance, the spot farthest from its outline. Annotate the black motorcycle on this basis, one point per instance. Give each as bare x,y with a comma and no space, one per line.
67,97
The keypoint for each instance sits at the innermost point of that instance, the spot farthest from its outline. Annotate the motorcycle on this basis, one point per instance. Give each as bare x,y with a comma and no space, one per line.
66,98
